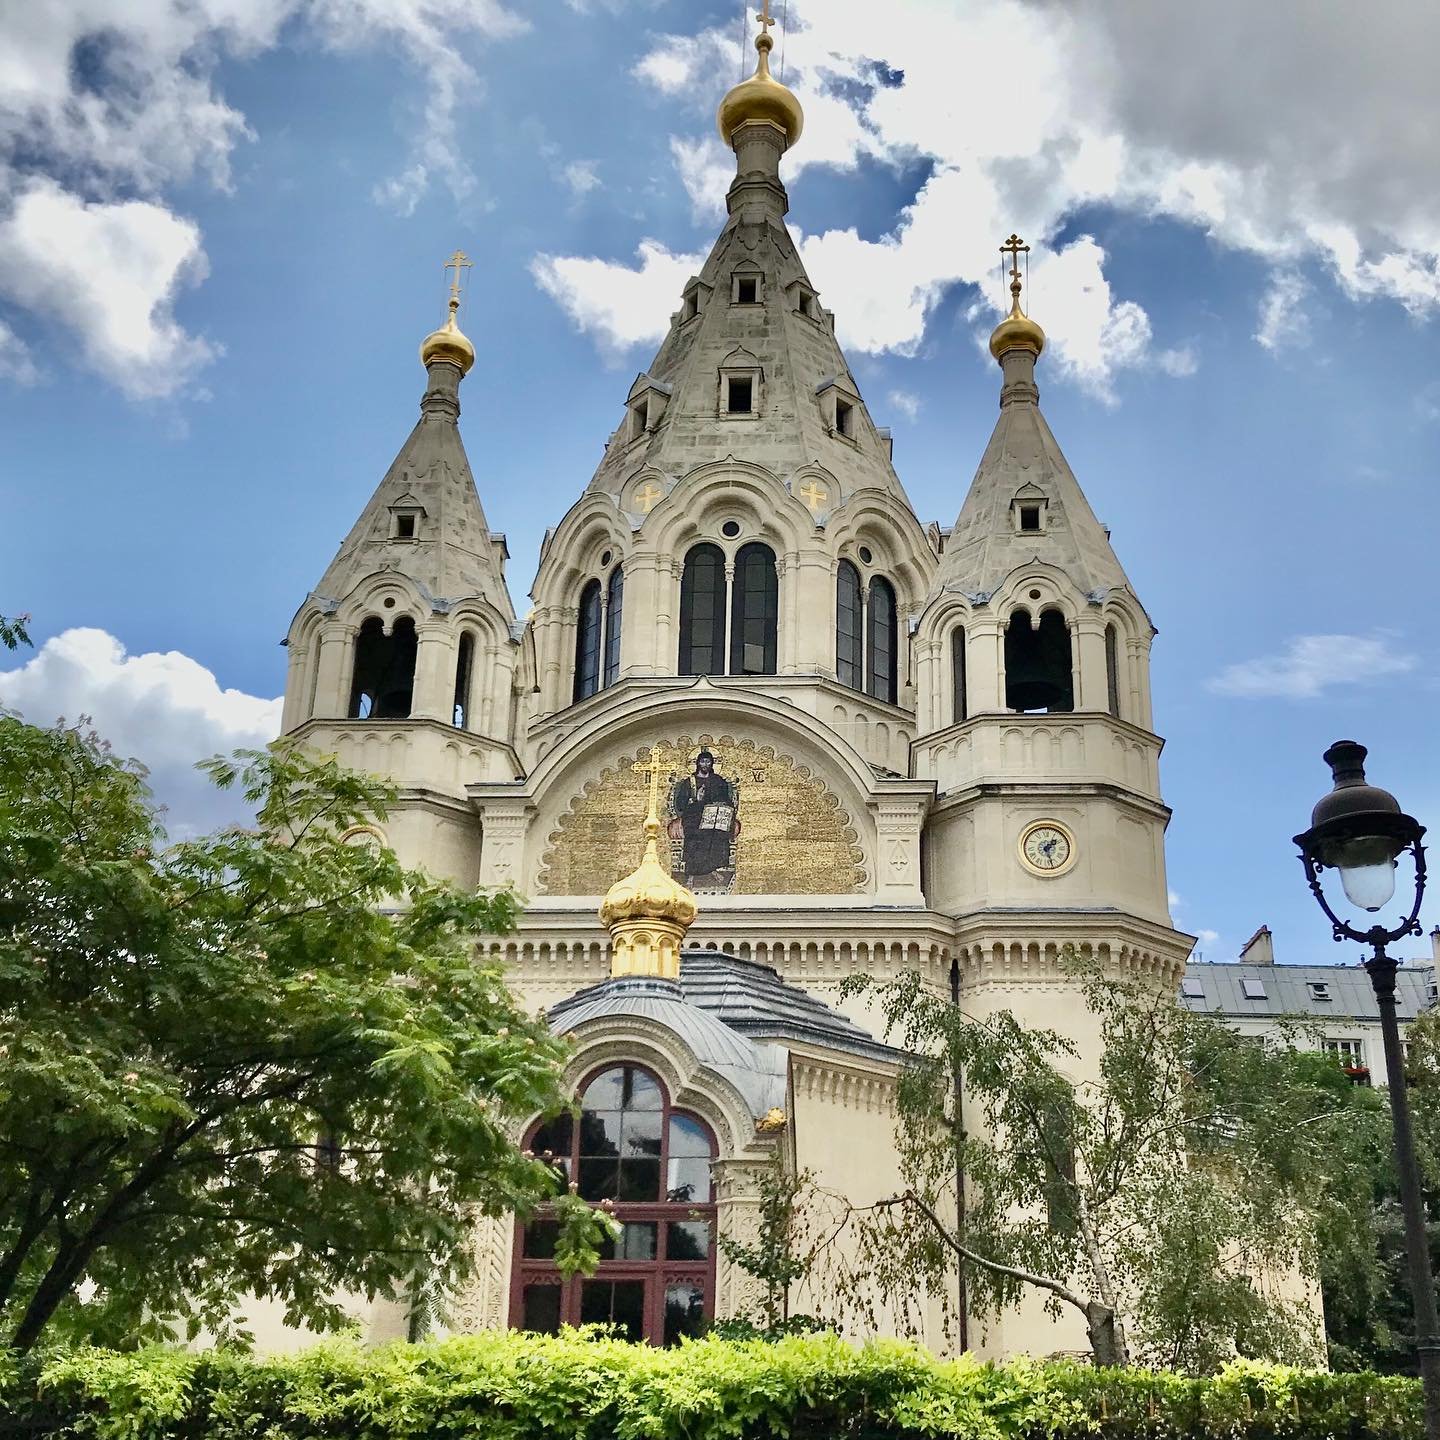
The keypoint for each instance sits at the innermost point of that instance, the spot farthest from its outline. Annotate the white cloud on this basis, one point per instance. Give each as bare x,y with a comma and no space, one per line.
1206,117
15,361
166,710
620,306
580,177
706,169
906,403
1282,319
111,272
1205,940
1311,664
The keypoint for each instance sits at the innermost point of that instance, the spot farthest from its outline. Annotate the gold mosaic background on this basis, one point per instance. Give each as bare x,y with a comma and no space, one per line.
795,836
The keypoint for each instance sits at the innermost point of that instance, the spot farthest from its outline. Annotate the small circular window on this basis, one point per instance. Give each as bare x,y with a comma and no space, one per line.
605,559
1034,594
730,529
865,554
390,603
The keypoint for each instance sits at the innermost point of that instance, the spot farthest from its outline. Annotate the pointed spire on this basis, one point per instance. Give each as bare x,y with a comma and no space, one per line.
648,912
760,119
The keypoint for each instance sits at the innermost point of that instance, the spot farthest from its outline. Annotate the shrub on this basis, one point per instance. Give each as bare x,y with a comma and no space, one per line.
587,1386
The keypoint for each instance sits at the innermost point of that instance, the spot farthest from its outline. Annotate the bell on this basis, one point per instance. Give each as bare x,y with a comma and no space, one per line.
1038,673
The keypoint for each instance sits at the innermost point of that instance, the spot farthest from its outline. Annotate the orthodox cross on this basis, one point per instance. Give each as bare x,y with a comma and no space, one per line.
765,18
648,496
813,495
1015,247
457,262
654,767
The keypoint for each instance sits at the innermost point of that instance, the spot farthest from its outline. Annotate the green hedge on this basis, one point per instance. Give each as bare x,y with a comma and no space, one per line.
523,1387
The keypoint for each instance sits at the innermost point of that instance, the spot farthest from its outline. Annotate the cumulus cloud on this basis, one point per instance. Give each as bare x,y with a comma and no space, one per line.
906,403
15,361
1311,664
105,108
166,710
1206,117
1282,320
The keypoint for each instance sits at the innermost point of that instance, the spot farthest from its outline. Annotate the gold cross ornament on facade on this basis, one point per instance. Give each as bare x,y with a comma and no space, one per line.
814,495
648,496
457,262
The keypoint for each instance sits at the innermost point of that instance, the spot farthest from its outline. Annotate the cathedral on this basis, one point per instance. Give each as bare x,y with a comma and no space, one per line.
835,739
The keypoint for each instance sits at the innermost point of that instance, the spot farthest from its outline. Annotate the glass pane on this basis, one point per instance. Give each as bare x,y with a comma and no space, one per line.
617,1302
540,1309
702,588
540,1238
597,1179
641,1092
639,1180
614,604
638,1240
689,1182
687,1240
587,642
684,1313
688,1138
554,1135
600,1132
606,1091
642,1133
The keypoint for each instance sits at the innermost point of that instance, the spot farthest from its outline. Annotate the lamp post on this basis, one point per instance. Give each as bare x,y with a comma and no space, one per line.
1360,831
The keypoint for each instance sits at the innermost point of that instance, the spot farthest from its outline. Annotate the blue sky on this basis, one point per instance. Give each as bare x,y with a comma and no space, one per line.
221,228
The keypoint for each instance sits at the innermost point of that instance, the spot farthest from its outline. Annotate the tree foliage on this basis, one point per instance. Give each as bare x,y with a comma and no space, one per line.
263,1061
13,633
1165,1196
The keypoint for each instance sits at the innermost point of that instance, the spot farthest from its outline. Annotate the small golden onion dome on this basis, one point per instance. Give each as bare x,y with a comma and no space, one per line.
1017,332
761,97
448,343
649,892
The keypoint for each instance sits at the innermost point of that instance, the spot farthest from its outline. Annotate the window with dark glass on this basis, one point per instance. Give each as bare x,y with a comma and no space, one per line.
881,680
702,612
754,612
383,684
464,666
587,642
1038,671
844,417
739,394
614,607
656,1281
747,289
849,634
957,671
1029,517
1112,669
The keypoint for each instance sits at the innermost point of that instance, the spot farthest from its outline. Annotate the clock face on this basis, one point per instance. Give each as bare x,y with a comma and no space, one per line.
1046,848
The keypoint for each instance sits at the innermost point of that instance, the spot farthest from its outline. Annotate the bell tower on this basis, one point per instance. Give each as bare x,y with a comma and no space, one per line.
403,658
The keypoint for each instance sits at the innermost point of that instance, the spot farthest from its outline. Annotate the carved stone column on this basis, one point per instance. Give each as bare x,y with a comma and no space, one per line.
898,821
737,1215
502,841
332,687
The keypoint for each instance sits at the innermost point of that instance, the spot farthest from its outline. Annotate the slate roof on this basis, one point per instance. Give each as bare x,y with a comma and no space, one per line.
1221,988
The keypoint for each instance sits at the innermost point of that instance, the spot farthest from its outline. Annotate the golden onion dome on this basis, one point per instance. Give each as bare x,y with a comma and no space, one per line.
1017,332
448,343
761,97
648,892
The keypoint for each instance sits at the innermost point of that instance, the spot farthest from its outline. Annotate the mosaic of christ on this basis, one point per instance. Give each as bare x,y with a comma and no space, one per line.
703,826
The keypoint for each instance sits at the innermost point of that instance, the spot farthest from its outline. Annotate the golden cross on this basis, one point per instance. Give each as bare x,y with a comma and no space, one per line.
654,767
648,496
1014,247
764,16
813,495
457,262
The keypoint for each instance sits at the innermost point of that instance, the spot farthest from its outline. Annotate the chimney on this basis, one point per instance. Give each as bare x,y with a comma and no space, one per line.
1435,947
1259,949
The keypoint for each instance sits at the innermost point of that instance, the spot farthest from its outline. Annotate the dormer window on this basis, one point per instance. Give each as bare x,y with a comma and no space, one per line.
639,416
745,285
693,300
740,381
844,418
1030,517
691,307
806,303
739,395
1028,507
405,527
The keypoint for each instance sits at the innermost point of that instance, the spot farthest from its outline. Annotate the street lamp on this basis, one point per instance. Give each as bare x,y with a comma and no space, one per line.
1360,831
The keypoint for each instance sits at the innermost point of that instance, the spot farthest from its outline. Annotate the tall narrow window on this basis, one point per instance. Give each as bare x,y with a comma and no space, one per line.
614,605
1038,671
881,633
1112,669
702,612
587,642
384,680
957,671
849,635
464,667
754,612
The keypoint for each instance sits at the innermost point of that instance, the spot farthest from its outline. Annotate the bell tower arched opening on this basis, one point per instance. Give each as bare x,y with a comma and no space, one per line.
1039,672
383,686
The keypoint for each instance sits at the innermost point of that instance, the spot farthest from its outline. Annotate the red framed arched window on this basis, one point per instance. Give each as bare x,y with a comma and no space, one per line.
630,1146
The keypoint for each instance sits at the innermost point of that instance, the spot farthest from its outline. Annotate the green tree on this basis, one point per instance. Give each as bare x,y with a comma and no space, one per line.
13,633
1161,1200
265,1061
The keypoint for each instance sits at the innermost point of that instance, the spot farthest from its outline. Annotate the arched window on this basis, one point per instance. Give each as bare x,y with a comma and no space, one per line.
587,642
384,680
614,606
849,627
754,612
1112,669
464,668
880,631
957,671
657,1281
1038,672
702,612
